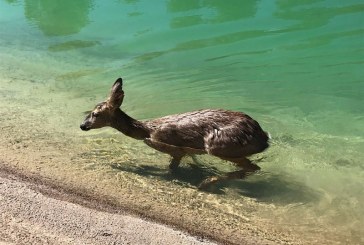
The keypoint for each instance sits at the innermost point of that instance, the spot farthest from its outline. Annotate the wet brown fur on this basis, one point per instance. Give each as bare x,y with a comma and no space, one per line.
229,135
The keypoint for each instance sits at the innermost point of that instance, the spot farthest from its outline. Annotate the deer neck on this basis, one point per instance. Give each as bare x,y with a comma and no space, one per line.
129,126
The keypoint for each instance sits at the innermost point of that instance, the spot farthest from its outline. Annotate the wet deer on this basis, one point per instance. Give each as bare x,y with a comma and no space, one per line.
228,135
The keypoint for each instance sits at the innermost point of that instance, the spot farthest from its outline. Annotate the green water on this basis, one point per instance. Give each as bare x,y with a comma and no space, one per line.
295,66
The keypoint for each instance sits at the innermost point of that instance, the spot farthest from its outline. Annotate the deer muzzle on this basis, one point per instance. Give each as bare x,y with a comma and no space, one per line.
84,127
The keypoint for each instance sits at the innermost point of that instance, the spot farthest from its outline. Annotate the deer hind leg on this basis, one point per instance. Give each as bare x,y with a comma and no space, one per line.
243,163
247,168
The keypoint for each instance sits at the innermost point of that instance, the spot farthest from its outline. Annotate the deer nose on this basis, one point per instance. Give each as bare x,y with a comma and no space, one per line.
83,127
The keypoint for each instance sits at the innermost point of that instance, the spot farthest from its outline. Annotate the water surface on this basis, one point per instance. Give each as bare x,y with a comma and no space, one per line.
295,66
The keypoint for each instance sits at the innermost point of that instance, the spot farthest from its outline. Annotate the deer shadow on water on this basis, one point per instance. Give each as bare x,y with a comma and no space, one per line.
263,186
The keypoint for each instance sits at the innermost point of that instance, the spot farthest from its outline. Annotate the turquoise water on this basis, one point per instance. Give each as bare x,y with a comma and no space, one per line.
295,66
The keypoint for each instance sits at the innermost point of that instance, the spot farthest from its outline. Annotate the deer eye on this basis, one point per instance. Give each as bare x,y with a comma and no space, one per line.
94,114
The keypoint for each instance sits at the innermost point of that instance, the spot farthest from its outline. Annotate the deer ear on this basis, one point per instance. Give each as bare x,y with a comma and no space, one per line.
117,94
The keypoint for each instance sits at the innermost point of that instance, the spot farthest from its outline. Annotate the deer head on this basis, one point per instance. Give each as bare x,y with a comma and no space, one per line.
103,114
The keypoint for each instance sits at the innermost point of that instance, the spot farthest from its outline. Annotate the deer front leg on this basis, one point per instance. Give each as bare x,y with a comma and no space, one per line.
174,151
175,161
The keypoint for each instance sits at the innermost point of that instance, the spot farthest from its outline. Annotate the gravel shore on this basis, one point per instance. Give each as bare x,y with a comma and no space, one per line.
30,217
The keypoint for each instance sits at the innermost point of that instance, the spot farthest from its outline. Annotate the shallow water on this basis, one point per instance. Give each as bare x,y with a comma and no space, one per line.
295,66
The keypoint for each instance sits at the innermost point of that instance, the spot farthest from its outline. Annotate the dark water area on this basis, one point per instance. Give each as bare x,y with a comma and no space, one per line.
295,66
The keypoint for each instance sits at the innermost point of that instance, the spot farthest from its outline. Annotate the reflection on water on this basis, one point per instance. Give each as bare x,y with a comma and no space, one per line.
58,18
209,12
295,66
310,16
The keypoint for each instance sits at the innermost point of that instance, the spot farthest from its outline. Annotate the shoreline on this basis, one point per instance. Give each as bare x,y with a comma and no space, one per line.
42,214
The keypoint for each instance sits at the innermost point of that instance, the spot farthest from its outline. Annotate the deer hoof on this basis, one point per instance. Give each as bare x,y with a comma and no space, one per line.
208,182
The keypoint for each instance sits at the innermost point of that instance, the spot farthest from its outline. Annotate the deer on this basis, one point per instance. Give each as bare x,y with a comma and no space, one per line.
229,135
